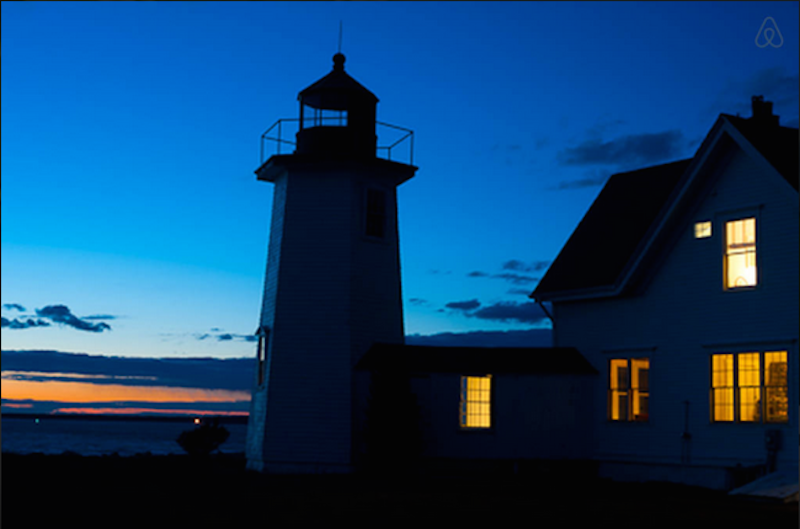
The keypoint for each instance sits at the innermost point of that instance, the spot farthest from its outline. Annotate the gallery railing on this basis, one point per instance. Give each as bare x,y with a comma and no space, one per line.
274,141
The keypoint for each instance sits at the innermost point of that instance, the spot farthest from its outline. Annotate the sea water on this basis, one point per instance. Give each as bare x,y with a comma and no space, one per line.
91,437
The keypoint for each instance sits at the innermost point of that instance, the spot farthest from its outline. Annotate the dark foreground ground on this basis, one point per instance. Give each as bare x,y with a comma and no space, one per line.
176,491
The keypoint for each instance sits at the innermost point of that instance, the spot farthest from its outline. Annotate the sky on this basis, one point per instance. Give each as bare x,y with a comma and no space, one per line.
132,222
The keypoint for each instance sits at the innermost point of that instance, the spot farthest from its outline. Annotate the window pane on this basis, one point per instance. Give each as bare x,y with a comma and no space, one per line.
702,230
618,385
740,253
776,390
723,404
722,370
475,409
619,374
749,387
722,387
640,370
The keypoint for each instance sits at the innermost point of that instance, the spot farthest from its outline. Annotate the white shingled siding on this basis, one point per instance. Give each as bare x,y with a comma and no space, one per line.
330,292
533,417
258,403
683,315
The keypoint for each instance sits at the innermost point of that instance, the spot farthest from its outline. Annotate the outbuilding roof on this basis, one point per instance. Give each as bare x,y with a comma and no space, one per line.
466,360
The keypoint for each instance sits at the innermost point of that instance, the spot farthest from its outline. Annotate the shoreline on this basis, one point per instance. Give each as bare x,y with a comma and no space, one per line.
223,419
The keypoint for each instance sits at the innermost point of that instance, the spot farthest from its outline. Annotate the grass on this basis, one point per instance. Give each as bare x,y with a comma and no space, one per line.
178,491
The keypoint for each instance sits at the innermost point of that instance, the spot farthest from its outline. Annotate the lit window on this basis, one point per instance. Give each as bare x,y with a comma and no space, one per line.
740,253
702,230
629,389
742,372
749,387
475,406
776,387
722,387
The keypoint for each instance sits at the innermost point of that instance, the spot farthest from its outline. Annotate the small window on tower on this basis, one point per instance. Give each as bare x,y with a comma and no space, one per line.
263,340
376,213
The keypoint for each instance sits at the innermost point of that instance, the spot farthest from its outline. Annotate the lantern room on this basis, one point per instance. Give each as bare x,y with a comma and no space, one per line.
337,116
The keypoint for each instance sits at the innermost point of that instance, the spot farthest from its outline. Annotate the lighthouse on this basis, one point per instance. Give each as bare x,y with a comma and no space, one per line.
332,285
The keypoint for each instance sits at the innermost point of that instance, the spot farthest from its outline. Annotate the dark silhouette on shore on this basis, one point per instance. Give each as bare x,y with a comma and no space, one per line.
204,439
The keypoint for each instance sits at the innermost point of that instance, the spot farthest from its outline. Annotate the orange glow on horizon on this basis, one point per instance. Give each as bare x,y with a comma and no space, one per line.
84,392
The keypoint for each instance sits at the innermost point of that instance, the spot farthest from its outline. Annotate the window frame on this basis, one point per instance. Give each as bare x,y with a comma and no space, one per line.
701,225
761,388
629,389
375,215
262,348
464,403
741,216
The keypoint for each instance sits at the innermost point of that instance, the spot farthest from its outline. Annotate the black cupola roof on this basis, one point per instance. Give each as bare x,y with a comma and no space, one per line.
337,90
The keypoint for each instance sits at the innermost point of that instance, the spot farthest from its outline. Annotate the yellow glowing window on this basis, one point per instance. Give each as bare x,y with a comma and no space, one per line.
629,389
776,388
749,387
722,387
475,407
754,399
702,230
740,253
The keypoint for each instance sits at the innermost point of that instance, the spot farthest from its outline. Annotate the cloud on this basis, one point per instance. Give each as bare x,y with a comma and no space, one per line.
62,315
100,317
464,305
520,266
520,291
18,323
516,279
593,179
477,273
775,84
417,302
631,150
208,373
227,337
521,338
14,306
507,311
603,126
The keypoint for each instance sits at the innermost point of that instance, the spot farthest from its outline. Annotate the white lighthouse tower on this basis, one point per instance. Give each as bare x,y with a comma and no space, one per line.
332,284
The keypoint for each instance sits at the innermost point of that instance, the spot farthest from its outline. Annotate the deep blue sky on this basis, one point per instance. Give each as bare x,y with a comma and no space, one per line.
130,133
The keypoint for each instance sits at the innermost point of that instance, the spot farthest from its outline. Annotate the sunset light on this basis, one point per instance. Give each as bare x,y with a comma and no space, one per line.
84,392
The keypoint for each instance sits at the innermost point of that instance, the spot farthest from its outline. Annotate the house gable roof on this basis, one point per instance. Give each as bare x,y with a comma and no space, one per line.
579,270
467,360
779,145
612,229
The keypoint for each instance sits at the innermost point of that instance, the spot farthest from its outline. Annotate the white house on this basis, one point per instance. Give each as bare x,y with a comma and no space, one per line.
680,287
